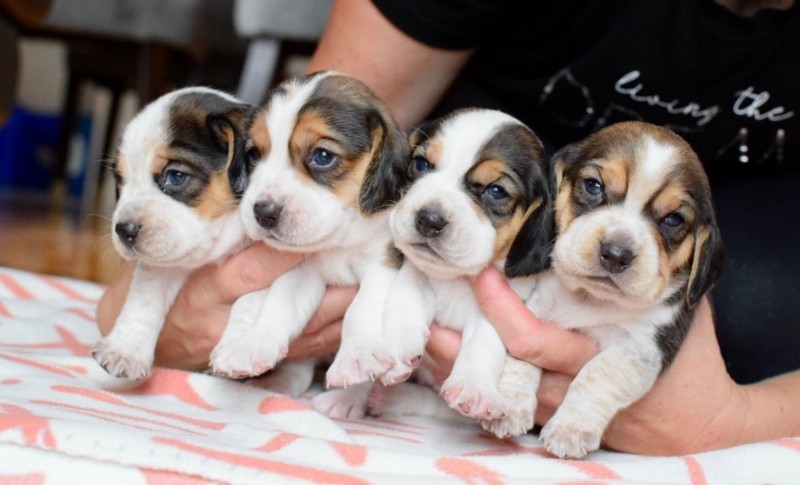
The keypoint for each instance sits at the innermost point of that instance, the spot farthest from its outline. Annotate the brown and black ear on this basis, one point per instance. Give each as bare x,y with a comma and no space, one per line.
562,161
530,252
231,131
387,174
707,260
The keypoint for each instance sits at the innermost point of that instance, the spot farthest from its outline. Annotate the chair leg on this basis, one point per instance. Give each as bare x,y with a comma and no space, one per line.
259,70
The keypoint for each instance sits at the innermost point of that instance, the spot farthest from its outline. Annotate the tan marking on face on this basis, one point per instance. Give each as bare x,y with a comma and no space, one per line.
217,199
433,152
563,207
669,200
487,172
159,161
308,132
260,135
507,232
348,189
681,255
614,175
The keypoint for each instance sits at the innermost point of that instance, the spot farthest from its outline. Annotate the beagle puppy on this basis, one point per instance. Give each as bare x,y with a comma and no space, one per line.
637,248
334,160
181,168
480,196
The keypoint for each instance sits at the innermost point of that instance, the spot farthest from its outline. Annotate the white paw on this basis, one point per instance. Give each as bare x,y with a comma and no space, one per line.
473,398
357,364
408,346
246,357
124,358
348,403
518,384
516,422
566,437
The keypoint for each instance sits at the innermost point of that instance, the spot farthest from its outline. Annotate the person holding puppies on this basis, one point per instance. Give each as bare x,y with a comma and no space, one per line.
719,73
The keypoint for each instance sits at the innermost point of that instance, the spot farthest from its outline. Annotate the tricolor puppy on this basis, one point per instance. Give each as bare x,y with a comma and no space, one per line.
181,168
479,197
334,159
637,248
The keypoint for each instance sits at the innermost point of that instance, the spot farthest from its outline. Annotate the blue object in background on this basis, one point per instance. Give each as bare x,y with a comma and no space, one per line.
28,150
28,144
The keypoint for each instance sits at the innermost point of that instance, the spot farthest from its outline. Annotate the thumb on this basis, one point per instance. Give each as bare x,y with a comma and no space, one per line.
527,337
255,268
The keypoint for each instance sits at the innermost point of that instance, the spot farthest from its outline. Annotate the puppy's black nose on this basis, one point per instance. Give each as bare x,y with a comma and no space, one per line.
430,223
267,214
127,232
615,259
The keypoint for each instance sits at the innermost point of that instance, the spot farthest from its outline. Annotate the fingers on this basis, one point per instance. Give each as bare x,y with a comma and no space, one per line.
526,337
321,343
441,351
550,394
332,307
253,269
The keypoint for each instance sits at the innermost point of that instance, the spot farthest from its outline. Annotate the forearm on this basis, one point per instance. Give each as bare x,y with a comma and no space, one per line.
773,408
409,76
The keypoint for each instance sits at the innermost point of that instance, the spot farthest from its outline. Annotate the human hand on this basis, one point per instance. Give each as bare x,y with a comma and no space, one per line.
198,316
694,405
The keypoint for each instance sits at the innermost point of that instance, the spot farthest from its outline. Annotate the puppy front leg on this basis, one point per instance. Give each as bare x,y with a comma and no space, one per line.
244,314
616,378
518,384
471,387
290,302
410,308
129,349
363,354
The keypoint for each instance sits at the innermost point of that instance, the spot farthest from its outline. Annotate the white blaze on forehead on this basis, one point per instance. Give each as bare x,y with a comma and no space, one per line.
463,137
655,161
281,116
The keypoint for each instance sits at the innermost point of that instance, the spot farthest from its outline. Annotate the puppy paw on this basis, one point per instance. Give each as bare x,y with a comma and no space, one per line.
348,403
472,399
570,438
516,422
352,367
408,345
124,359
245,358
518,384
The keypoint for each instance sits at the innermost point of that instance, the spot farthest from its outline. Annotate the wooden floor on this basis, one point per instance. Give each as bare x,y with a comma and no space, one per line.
36,235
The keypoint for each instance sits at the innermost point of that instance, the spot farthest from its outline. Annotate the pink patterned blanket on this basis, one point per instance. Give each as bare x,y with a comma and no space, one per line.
64,420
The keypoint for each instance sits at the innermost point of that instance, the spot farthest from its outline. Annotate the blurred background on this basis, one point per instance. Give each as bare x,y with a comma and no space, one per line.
73,72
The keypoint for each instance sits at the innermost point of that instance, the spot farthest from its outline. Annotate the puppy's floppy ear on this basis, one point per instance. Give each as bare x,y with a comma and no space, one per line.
530,252
707,260
561,161
230,130
387,175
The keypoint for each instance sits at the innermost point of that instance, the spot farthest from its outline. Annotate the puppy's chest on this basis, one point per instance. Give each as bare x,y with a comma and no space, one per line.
456,304
346,267
606,323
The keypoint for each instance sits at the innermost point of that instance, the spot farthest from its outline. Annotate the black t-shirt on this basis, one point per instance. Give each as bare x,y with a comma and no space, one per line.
729,85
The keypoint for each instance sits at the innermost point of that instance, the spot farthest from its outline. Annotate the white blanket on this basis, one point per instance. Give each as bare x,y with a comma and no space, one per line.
64,420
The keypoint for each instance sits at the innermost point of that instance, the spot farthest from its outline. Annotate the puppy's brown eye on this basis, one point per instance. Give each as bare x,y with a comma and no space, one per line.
674,220
593,187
